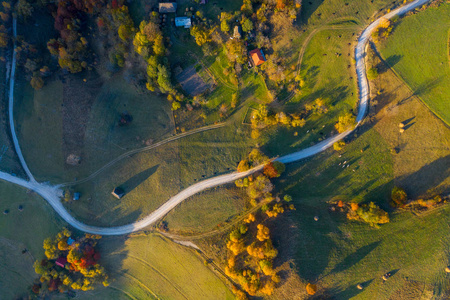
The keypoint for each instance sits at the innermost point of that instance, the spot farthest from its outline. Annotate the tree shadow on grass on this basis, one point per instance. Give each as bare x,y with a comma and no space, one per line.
138,179
348,293
385,65
427,177
355,257
308,9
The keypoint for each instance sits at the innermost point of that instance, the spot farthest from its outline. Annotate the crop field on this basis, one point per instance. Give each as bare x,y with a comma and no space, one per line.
20,230
423,62
152,267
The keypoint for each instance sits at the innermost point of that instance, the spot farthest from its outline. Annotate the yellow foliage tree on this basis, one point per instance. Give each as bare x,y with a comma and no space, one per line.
263,233
311,289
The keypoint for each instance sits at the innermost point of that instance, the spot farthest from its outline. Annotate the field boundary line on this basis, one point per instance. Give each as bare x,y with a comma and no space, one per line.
378,53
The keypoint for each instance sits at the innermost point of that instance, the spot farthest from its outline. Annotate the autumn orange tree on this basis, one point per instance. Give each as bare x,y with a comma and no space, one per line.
70,263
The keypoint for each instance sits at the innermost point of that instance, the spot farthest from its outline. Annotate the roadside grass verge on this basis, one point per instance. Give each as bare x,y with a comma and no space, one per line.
215,206
152,267
418,52
21,230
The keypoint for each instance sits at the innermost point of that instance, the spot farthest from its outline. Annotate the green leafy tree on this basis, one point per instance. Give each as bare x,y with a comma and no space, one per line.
247,25
372,73
164,79
398,197
345,122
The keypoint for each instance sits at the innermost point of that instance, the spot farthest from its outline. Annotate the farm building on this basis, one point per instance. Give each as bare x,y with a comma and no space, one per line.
118,192
257,57
237,32
61,262
165,8
183,22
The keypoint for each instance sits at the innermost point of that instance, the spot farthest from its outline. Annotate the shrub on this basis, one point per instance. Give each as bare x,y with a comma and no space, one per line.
370,213
398,197
311,289
372,73
274,169
339,145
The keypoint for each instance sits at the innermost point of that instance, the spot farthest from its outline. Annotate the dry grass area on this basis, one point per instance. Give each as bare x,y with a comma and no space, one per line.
422,152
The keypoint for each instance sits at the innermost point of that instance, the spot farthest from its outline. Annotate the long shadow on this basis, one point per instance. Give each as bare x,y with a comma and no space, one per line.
348,293
429,176
308,8
137,179
391,61
355,257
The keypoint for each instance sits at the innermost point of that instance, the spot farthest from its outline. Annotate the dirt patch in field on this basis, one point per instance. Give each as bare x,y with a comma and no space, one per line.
191,82
78,99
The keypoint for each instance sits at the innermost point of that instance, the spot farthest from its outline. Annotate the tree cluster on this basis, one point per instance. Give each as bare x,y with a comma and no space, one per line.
369,213
116,25
5,18
383,30
263,118
71,47
251,254
81,271
149,43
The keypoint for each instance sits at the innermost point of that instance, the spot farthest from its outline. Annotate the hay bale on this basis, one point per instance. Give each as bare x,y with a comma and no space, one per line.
447,270
402,130
401,125
359,286
316,218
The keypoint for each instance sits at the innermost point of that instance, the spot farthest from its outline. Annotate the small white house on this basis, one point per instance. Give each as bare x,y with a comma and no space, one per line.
183,22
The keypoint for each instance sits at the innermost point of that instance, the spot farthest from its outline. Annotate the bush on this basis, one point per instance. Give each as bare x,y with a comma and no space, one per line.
274,169
339,145
398,197
372,73
311,289
345,122
369,213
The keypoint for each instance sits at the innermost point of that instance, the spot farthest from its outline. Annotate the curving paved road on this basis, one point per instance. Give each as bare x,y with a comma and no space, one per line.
11,108
52,193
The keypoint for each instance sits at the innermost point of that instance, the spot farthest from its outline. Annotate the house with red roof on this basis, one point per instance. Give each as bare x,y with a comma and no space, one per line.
257,57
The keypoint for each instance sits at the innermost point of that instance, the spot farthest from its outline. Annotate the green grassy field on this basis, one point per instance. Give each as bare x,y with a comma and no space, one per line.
41,122
340,254
21,230
326,76
143,267
151,267
423,62
216,207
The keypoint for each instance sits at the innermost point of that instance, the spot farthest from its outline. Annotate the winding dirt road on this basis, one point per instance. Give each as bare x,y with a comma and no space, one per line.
52,193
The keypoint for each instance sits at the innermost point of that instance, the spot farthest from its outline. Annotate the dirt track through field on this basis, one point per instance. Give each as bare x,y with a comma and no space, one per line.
52,193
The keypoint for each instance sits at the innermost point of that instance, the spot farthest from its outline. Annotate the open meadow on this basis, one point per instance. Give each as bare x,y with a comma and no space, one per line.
418,50
21,236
